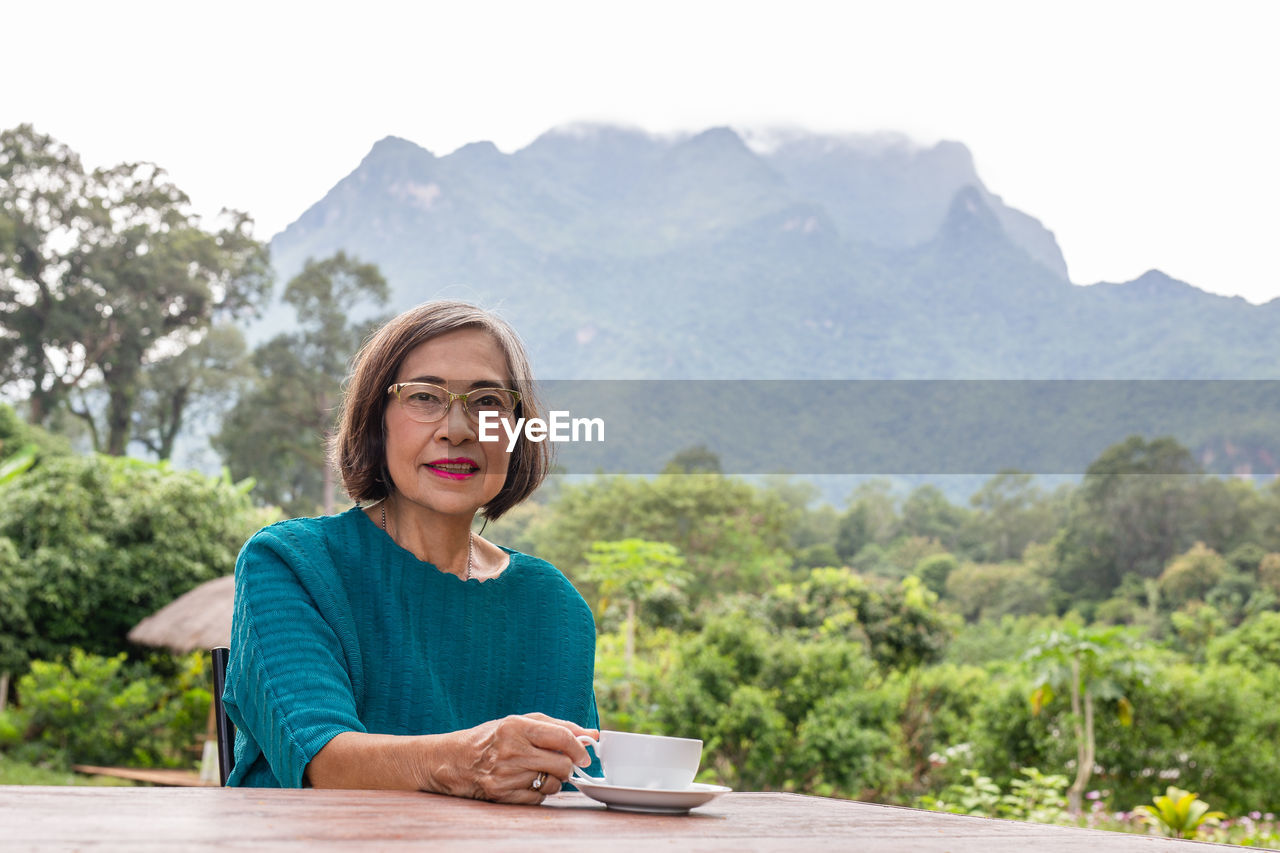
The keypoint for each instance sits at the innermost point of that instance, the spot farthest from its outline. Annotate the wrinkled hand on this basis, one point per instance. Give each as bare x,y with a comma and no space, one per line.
499,760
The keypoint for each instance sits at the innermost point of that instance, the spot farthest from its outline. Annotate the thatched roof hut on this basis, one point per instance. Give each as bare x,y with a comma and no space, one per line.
198,619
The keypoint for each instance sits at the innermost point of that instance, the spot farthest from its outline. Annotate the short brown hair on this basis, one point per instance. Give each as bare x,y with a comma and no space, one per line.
359,450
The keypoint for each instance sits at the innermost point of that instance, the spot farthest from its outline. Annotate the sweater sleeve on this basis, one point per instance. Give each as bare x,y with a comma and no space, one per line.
289,683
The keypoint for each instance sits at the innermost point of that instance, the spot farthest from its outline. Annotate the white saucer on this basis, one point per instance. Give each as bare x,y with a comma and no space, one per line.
650,800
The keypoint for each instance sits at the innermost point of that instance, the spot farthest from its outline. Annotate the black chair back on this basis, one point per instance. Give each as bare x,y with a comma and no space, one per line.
226,731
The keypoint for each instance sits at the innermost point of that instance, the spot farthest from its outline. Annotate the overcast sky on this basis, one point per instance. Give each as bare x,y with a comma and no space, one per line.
1143,134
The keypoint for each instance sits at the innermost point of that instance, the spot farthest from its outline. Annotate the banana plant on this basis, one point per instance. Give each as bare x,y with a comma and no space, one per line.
1179,813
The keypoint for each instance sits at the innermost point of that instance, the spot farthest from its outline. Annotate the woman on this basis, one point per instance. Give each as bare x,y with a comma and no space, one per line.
389,646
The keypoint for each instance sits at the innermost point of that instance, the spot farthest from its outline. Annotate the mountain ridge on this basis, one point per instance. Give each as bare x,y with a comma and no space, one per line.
620,254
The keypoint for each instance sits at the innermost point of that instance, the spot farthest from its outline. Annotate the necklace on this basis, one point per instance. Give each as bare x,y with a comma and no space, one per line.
470,541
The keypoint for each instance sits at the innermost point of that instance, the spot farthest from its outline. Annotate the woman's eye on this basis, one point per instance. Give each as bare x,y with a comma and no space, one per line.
424,397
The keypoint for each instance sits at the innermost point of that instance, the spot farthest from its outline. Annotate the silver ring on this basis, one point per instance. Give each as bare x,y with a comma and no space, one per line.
538,783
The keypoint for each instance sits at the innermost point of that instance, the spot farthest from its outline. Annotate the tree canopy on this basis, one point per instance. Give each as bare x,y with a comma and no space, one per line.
103,274
277,432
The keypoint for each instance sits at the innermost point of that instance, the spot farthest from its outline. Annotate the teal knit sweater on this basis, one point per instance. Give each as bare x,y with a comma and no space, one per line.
337,629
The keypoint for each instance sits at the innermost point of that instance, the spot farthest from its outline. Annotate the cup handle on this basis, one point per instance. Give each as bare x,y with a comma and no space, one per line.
578,772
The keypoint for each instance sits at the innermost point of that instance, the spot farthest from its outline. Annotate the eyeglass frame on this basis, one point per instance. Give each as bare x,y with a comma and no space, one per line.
395,388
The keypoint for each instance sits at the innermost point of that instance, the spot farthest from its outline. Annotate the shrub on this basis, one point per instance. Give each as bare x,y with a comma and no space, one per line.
16,435
780,711
935,718
89,546
99,710
1198,727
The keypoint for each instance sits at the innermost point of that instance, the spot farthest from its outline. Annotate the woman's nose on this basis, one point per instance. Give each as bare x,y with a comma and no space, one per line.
456,427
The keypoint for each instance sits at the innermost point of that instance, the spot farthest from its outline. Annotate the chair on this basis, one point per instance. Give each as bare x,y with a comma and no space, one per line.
226,731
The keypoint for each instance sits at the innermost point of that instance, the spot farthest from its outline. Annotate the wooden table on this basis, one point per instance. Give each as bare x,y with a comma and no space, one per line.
154,819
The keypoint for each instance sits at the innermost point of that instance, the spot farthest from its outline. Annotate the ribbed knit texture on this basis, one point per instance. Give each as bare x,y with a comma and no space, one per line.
337,628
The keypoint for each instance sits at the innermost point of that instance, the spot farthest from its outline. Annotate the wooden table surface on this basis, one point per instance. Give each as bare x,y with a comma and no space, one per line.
147,819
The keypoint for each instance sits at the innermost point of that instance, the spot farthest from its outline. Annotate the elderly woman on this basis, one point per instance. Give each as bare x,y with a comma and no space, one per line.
390,646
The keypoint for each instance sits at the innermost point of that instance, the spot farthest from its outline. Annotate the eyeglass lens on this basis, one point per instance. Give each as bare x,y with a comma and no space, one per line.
430,402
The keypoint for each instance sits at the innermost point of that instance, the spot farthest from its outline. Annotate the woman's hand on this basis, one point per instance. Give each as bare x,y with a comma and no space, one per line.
499,760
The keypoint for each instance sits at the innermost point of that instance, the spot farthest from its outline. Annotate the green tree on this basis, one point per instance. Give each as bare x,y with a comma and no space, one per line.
928,514
813,522
872,519
1011,512
278,431
1269,573
632,569
934,570
1134,511
899,559
732,536
1246,558
1191,576
43,206
199,381
1090,663
101,273
780,712
1228,514
1255,645
1195,626
1205,723
898,623
1200,723
1267,532
985,591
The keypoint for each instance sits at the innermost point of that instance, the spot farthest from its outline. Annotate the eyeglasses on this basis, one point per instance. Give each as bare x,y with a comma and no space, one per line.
427,403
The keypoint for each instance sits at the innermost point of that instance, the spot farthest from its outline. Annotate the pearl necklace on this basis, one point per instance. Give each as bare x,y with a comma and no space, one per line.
470,542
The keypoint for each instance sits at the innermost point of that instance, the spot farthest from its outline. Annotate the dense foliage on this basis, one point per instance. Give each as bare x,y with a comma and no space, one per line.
103,711
903,649
91,545
939,642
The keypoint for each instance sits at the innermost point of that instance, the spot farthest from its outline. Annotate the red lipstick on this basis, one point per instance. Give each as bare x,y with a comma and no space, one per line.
454,468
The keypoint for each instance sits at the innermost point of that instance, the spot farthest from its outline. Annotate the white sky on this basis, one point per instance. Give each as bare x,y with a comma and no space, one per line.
1144,134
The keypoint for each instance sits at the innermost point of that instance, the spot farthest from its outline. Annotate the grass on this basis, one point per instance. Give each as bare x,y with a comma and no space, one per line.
20,773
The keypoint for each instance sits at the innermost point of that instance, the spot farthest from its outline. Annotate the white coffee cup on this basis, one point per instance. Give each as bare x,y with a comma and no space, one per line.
631,760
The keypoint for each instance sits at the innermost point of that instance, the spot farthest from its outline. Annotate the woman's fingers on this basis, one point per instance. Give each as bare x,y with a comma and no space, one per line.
507,755
561,736
515,785
551,785
568,724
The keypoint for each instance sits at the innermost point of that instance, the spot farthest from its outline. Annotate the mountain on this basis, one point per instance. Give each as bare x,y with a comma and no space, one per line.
890,192
619,254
